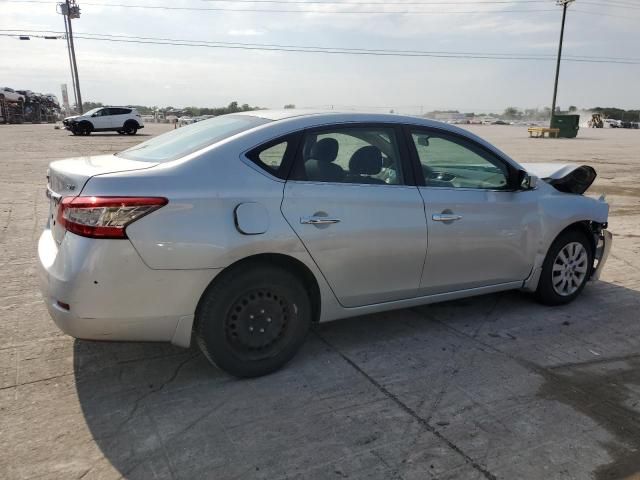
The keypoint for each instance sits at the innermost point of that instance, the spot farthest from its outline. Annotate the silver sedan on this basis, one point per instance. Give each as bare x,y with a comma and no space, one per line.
243,230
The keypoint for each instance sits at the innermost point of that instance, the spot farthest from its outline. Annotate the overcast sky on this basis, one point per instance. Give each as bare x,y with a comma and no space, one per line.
121,73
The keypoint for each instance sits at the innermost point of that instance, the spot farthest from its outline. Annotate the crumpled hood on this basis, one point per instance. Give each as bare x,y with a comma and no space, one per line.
72,117
565,177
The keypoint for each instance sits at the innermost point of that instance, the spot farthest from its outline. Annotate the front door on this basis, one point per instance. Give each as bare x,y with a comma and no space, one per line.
349,202
482,231
101,119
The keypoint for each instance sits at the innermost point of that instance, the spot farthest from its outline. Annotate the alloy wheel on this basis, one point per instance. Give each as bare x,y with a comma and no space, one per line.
570,269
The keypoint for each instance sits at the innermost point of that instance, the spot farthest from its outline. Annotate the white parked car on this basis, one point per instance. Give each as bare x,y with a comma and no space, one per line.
247,228
10,95
124,120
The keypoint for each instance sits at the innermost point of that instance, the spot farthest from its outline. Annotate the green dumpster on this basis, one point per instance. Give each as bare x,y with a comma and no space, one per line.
568,125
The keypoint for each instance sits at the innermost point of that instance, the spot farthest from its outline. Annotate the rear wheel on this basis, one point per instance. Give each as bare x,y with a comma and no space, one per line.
566,269
130,128
253,320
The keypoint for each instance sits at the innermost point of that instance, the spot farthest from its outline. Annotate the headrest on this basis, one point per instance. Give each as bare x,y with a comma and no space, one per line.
326,150
366,161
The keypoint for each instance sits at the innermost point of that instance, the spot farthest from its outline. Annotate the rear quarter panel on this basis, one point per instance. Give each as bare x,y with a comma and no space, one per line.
197,228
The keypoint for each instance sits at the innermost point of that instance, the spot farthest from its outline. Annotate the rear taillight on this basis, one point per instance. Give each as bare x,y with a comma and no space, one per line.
104,217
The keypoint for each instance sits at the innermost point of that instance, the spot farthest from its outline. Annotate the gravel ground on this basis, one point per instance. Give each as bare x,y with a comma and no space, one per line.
490,387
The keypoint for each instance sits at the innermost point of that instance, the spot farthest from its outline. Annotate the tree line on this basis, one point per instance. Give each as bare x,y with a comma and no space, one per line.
233,107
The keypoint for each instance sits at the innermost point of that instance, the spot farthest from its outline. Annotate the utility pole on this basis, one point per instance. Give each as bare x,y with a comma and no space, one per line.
564,4
69,9
73,79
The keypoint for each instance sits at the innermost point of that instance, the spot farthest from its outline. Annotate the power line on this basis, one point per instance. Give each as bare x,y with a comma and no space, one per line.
310,47
334,2
601,14
280,10
324,49
340,50
612,3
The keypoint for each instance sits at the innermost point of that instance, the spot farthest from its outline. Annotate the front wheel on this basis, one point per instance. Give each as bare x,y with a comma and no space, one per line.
83,128
566,269
253,320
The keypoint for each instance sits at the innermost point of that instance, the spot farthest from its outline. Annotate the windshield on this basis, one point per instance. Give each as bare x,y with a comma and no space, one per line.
91,112
186,140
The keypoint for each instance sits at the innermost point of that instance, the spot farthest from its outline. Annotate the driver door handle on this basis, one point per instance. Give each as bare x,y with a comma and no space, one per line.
313,220
446,217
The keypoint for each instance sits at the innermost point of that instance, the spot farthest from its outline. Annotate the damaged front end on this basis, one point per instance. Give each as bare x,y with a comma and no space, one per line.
564,177
603,240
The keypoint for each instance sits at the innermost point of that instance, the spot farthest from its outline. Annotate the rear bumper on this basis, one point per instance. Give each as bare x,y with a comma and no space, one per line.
113,295
602,253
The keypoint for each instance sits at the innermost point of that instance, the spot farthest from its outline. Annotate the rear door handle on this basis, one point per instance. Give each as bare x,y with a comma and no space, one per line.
446,217
313,220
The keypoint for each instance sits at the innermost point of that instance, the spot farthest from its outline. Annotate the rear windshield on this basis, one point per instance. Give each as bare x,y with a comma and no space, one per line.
186,140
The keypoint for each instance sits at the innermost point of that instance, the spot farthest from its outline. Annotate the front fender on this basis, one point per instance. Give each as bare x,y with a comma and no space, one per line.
558,212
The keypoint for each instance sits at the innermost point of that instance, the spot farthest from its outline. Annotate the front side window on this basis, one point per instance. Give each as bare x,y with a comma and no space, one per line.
447,163
364,155
191,138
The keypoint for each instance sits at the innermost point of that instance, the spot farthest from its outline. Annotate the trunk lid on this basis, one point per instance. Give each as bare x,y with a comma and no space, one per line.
67,178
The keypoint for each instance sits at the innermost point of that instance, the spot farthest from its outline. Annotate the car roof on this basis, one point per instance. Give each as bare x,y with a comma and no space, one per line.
321,117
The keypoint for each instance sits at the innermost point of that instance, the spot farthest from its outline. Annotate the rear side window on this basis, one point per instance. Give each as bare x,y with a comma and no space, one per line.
185,140
272,157
120,111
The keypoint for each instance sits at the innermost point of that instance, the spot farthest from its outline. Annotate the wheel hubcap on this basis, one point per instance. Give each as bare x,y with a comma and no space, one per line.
570,269
257,321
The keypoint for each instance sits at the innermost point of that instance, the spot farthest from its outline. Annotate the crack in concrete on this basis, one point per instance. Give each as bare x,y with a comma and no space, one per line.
620,421
36,381
138,401
597,361
411,412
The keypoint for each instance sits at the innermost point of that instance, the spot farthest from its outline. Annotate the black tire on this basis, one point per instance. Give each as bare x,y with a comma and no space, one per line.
253,319
546,293
130,127
83,128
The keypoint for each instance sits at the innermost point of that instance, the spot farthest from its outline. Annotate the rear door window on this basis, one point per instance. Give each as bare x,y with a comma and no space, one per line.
365,155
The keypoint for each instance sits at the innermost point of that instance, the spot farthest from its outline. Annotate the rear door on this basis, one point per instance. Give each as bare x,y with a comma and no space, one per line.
482,231
119,116
352,201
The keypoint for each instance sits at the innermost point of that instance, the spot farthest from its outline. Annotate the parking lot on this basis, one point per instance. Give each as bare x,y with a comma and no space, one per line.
494,387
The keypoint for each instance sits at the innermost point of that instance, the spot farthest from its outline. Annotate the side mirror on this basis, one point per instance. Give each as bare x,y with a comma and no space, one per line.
526,181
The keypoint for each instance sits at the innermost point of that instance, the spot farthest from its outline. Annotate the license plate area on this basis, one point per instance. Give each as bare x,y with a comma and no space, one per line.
52,219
